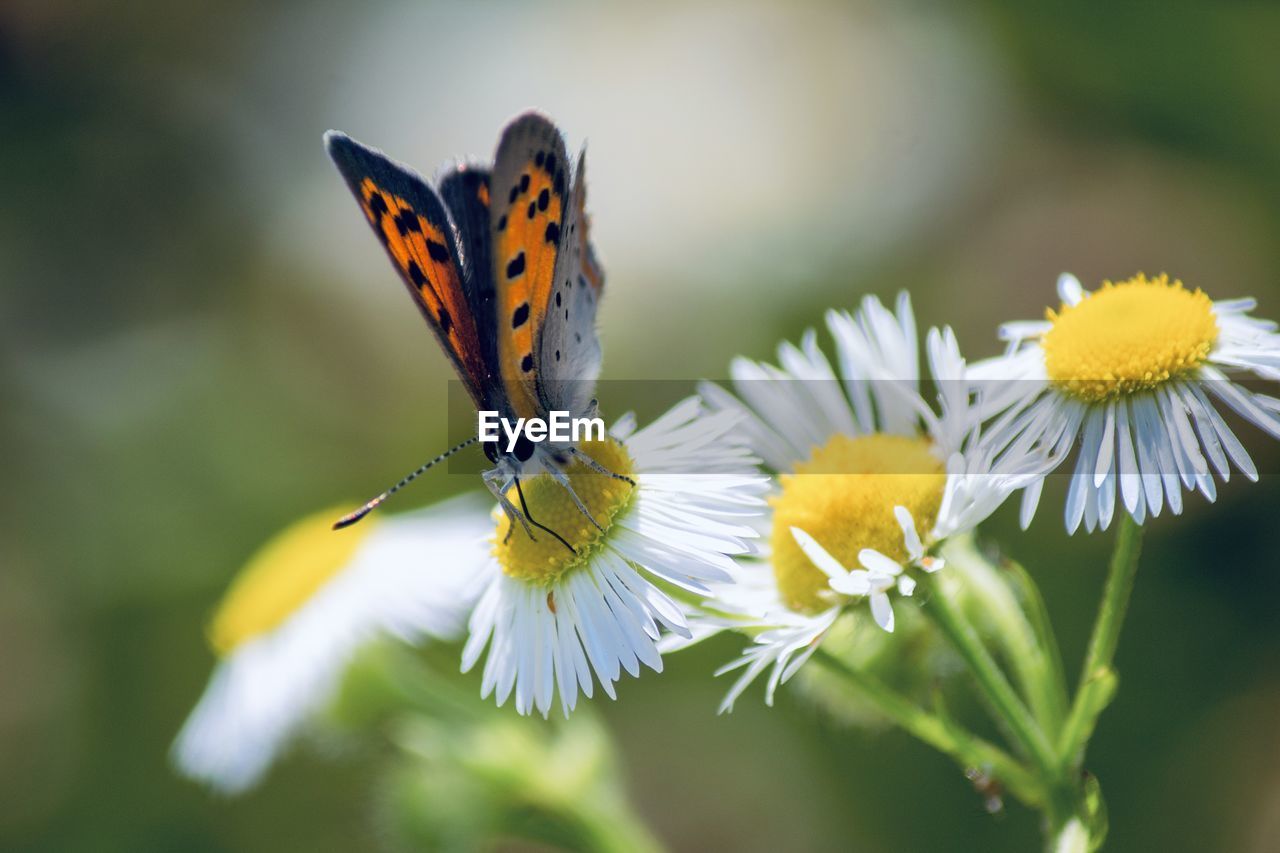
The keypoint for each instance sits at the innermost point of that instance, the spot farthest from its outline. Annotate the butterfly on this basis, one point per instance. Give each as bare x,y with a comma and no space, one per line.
500,263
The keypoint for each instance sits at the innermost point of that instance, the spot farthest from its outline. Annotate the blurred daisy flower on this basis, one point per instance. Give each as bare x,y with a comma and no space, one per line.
550,618
301,608
1137,372
872,479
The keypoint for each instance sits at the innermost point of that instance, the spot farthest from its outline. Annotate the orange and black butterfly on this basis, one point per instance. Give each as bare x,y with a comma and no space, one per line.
500,263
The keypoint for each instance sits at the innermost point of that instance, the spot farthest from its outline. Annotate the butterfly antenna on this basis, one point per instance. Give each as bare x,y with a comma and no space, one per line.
370,506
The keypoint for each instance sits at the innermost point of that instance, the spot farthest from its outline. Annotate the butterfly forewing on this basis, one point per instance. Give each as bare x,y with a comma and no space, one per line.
410,221
568,350
527,190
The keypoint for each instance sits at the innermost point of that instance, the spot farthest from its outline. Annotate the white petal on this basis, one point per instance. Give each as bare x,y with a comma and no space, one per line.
856,583
1106,445
818,555
909,535
1030,501
878,563
1069,289
882,611
1130,481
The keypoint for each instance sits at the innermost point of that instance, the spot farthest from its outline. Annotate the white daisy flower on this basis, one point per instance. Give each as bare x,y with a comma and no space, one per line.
1136,372
550,618
300,609
864,463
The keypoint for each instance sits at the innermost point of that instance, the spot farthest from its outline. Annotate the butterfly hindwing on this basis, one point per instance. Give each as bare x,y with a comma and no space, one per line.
411,222
464,189
531,174
568,350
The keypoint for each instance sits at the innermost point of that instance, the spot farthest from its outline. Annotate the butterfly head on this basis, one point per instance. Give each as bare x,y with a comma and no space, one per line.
521,452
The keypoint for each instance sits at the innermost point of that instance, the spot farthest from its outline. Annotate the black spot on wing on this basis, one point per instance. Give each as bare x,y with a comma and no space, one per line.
526,363
533,207
553,233
544,198
537,161
446,322
415,274
524,182
516,266
377,204
407,222
550,165
438,251
502,222
520,316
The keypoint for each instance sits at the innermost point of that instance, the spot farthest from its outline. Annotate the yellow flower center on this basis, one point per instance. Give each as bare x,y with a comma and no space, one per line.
547,560
844,496
283,575
1128,337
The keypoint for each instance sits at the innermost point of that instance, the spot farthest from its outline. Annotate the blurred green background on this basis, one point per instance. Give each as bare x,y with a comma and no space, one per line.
201,342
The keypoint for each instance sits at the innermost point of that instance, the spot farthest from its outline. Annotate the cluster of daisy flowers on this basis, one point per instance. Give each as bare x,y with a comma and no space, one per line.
549,621
866,476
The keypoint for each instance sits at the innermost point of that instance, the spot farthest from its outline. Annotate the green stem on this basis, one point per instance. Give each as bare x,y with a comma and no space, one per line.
1011,603
1097,678
967,749
995,686
1054,684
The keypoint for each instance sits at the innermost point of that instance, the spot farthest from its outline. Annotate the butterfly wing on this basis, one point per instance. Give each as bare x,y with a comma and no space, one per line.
411,222
568,350
529,181
464,189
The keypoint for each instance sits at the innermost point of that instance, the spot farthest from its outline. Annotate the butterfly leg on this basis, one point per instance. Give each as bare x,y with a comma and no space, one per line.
563,479
597,467
498,486
524,506
499,491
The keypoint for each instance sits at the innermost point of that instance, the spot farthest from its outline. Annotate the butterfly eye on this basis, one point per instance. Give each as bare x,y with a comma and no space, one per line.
524,448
